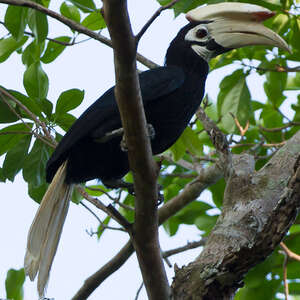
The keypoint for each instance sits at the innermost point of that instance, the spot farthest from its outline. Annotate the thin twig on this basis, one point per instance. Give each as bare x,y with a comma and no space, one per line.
49,39
181,162
263,145
152,19
290,253
16,132
38,136
242,129
138,291
110,210
98,219
22,106
100,190
219,141
188,246
115,200
276,68
290,124
284,267
75,26
180,175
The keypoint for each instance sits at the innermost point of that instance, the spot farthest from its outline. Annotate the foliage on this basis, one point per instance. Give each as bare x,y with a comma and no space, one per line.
26,147
14,284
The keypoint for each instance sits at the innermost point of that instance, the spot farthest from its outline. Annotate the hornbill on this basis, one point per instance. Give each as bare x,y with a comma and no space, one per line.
171,95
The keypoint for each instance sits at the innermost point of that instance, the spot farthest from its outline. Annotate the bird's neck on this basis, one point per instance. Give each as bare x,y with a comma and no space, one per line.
190,62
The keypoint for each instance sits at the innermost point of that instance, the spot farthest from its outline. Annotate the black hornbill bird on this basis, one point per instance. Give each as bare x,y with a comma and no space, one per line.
171,95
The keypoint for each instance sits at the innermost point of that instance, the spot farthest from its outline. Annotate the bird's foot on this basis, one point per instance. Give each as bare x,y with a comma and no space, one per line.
151,135
123,144
151,131
119,183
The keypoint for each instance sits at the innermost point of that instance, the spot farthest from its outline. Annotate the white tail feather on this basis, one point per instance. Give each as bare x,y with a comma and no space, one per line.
46,228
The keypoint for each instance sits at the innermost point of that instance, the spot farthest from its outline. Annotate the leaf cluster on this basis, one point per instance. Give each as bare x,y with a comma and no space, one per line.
258,126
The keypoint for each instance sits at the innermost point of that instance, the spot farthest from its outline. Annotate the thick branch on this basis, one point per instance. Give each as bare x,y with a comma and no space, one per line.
75,26
219,141
209,176
259,207
145,229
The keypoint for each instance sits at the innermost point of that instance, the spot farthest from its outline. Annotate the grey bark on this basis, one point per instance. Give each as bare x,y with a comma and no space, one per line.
258,209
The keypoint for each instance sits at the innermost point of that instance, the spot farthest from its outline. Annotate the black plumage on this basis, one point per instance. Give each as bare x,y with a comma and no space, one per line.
171,95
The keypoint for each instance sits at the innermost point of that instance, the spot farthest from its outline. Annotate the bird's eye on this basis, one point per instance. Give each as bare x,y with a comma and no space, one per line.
201,33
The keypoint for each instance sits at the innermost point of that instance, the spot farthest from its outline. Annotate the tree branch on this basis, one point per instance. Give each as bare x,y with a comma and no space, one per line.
110,210
188,246
258,209
127,91
219,141
152,19
290,253
209,176
75,26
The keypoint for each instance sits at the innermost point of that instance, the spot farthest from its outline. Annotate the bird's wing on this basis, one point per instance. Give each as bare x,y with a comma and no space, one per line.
103,115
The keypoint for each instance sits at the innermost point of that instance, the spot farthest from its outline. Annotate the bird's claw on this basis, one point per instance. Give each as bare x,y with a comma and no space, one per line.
151,135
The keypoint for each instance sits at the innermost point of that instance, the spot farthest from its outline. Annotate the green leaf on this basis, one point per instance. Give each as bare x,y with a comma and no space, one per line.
171,191
96,190
76,197
47,107
14,284
94,21
190,213
6,115
191,141
256,284
70,11
10,45
128,214
15,21
234,98
15,157
85,5
36,81
9,136
274,87
2,177
31,104
32,53
295,35
65,121
178,149
280,23
271,119
296,108
185,6
68,100
101,229
34,168
206,223
37,192
217,191
54,49
293,82
171,226
38,23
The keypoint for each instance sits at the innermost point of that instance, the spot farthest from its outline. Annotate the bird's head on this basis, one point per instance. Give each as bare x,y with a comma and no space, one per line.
218,28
